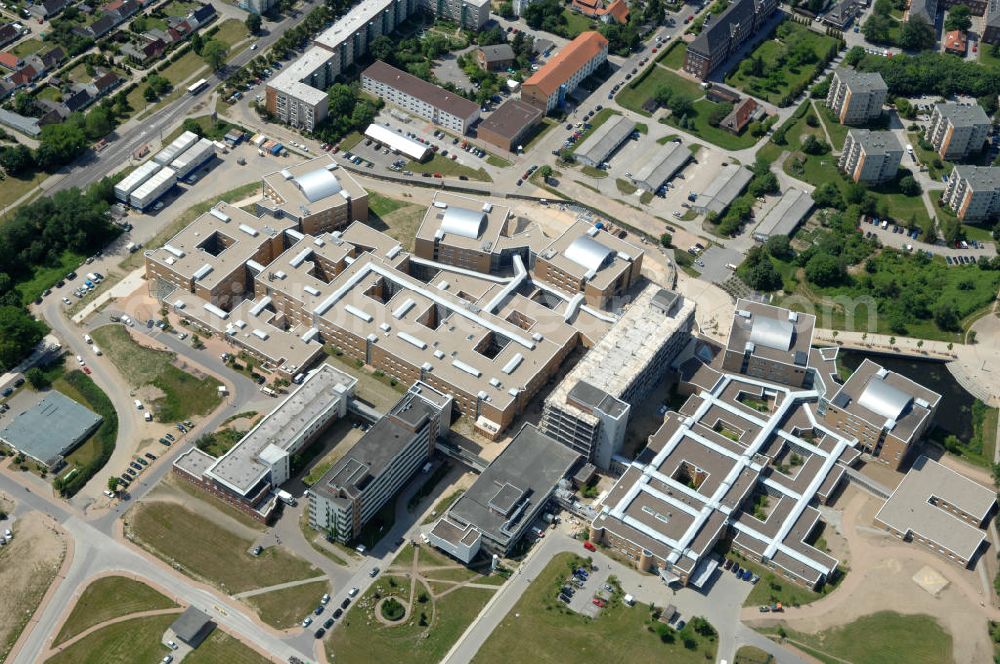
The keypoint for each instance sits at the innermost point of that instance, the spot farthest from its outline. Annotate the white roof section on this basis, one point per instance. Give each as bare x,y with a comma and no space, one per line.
772,333
463,221
587,252
884,399
397,142
318,184
289,80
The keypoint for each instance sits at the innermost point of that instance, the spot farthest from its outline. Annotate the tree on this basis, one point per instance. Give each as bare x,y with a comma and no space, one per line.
827,195
959,18
114,479
719,113
878,29
946,317
149,94
16,160
814,146
37,378
193,126
666,240
680,104
545,171
253,23
779,247
758,272
99,123
825,270
60,144
215,53
506,9
19,333
383,48
909,187
917,35
197,43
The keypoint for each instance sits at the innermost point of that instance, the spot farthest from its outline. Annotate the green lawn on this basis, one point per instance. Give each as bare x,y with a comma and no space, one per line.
752,655
179,8
232,31
928,157
541,625
636,93
448,168
220,647
283,609
47,276
383,205
717,135
837,131
775,88
881,638
773,588
110,597
184,394
207,551
27,47
576,23
673,57
987,57
127,642
183,68
13,188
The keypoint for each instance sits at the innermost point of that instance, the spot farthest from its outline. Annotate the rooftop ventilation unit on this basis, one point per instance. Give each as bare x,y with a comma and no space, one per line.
249,230
173,250
440,204
410,339
287,174
221,216
354,311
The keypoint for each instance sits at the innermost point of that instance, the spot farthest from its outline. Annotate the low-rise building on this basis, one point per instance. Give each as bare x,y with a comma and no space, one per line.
957,130
741,115
725,35
973,192
315,194
548,87
885,411
659,164
419,97
723,190
956,42
786,215
944,511
510,125
51,429
870,157
856,97
511,494
588,410
385,458
497,57
604,140
770,343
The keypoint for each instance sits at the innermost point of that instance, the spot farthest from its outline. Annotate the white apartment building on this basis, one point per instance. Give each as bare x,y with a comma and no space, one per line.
870,157
470,14
419,97
973,192
856,97
957,130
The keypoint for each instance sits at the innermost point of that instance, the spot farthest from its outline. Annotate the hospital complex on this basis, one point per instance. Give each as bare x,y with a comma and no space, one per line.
486,314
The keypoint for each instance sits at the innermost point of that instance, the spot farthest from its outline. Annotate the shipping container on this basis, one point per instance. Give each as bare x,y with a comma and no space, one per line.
174,150
192,158
153,188
134,180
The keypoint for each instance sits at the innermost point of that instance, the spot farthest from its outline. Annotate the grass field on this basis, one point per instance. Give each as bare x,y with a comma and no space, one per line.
752,655
717,135
543,626
207,551
283,609
11,188
775,88
179,8
27,47
47,276
220,647
126,642
635,94
184,394
881,638
232,31
673,57
576,23
110,597
383,205
772,588
837,131
448,168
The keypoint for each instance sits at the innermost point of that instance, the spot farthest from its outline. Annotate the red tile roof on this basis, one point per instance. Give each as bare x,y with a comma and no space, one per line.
567,62
618,11
9,60
955,41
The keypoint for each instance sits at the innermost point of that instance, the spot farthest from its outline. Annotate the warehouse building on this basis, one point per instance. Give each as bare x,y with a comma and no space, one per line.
660,164
51,429
316,194
511,494
957,130
419,97
380,463
588,410
249,474
548,87
723,190
944,511
398,143
856,97
604,140
510,125
786,215
885,411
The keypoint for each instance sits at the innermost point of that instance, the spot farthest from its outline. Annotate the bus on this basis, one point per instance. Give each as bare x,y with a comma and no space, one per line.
197,87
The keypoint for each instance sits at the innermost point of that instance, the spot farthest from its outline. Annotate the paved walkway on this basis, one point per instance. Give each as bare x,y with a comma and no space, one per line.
113,621
279,586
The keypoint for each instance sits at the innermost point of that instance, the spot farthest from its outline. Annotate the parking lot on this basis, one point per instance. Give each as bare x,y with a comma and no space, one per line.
714,263
584,592
900,238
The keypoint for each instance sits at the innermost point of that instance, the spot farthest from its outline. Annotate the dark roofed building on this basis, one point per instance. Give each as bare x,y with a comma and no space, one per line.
508,126
106,82
8,33
417,96
842,14
51,59
725,35
102,26
494,513
495,58
192,627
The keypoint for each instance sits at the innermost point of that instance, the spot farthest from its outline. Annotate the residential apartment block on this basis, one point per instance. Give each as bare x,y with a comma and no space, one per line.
296,95
250,473
885,411
548,87
419,97
957,130
870,157
856,97
380,463
770,343
588,410
725,34
973,192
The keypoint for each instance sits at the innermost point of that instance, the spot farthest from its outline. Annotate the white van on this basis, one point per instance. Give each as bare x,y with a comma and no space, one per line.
87,338
148,416
97,351
138,405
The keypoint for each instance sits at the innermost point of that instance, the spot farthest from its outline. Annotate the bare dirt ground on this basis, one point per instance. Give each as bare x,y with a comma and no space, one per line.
28,566
881,579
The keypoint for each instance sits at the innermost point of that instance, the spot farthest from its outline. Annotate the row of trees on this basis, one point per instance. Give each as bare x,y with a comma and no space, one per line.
937,74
